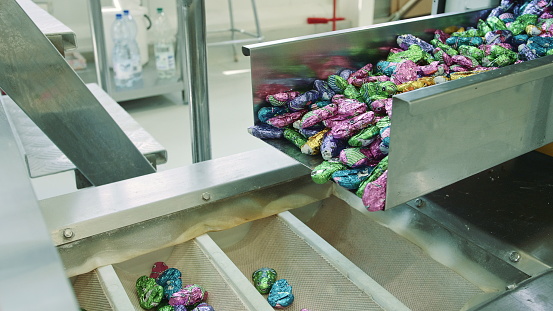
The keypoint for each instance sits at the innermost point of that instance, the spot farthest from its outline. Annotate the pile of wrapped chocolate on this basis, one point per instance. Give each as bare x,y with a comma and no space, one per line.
346,118
164,291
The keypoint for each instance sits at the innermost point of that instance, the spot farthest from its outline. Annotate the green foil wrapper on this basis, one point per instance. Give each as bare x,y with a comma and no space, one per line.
519,25
501,56
484,27
468,33
365,137
378,170
263,279
496,24
414,53
337,83
446,48
149,292
295,137
472,51
352,92
323,172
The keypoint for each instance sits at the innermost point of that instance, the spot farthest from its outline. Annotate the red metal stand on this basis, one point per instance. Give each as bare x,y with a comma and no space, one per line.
323,20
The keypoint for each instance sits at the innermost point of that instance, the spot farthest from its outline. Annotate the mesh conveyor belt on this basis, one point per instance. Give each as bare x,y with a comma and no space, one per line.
89,293
316,284
196,269
398,265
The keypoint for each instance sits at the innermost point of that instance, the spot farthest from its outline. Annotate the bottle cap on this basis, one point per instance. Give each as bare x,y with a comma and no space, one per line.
159,10
118,15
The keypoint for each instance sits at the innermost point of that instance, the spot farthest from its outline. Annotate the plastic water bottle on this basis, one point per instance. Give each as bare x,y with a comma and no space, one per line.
122,55
163,46
135,50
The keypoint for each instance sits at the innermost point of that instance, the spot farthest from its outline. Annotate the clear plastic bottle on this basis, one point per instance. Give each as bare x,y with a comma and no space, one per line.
163,46
133,44
122,58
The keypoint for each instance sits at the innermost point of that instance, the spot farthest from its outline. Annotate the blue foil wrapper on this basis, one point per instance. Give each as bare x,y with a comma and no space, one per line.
345,73
331,147
280,295
405,41
525,53
325,91
456,42
520,39
266,113
171,281
351,179
387,68
303,100
266,131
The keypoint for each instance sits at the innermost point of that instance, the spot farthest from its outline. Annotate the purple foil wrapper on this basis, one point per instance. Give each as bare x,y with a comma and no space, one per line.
433,69
347,128
345,73
405,41
303,100
349,107
373,152
286,119
203,307
332,146
188,296
315,116
374,196
499,36
336,119
405,71
325,91
266,131
526,53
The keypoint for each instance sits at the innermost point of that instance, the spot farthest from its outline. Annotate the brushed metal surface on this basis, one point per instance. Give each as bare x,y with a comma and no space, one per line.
43,157
61,36
28,255
39,80
440,134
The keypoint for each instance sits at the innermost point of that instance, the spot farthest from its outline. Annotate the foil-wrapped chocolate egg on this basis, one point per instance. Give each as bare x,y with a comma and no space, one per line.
281,295
203,307
171,281
188,296
149,292
263,279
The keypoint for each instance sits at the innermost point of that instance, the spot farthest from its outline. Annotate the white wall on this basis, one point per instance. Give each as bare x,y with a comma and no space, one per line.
274,15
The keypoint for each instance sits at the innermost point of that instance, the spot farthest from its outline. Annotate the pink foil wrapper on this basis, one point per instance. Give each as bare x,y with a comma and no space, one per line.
315,116
336,119
440,35
286,119
405,71
373,152
388,106
361,73
359,82
350,106
282,97
374,197
446,58
349,127
379,105
463,61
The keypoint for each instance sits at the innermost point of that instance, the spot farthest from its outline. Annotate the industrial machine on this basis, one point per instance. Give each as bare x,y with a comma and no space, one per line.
466,225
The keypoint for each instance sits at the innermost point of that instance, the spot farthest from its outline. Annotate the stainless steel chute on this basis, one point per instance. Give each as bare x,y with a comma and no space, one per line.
439,134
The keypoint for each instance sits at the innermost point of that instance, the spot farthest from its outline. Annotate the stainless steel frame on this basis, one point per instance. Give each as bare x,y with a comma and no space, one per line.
440,134
60,104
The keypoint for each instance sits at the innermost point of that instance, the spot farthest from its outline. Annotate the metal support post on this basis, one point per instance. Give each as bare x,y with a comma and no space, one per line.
194,56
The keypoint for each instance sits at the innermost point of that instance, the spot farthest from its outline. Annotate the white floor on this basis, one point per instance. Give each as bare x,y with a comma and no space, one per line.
166,117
